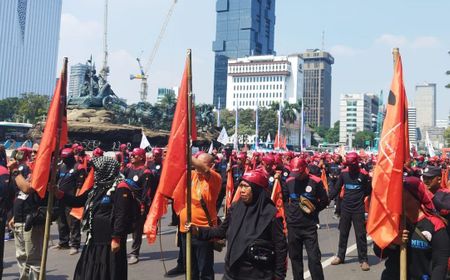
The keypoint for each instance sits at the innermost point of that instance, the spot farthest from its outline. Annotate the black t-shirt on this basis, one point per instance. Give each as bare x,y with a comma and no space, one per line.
70,178
25,204
7,191
356,187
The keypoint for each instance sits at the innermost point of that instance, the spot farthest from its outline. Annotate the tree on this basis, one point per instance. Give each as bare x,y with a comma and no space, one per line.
361,138
33,107
332,135
447,137
9,108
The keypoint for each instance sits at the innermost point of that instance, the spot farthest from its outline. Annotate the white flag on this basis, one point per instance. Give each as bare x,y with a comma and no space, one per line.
211,148
429,145
267,140
223,137
144,142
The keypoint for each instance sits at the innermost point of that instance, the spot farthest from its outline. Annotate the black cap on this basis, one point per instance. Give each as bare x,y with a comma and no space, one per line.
431,171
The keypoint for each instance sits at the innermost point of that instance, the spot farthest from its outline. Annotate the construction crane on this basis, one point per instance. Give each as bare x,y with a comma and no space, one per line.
143,76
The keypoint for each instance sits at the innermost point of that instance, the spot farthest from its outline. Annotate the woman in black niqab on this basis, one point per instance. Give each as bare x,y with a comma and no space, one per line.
252,222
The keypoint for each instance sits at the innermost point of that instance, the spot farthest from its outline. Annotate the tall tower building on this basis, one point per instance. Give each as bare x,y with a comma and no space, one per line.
317,87
77,76
243,28
425,103
355,115
412,126
29,35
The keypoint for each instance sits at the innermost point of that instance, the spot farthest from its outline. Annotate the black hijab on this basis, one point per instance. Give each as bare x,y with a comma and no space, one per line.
248,222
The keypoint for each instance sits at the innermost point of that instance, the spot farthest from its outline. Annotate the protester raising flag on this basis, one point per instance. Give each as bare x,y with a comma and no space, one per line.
386,203
173,175
57,116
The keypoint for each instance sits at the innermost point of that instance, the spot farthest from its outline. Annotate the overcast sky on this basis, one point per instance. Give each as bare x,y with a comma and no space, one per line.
359,34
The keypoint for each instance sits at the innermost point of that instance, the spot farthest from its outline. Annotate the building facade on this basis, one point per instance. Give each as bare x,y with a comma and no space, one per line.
357,112
29,37
412,126
243,28
163,91
425,103
317,87
77,78
264,80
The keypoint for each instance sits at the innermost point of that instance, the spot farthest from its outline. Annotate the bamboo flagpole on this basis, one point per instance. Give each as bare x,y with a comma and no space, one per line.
403,250
188,171
52,183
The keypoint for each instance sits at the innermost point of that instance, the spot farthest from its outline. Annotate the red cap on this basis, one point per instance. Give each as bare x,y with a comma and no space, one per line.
258,177
66,153
268,159
157,151
98,152
289,154
298,165
418,189
242,156
138,152
122,147
352,158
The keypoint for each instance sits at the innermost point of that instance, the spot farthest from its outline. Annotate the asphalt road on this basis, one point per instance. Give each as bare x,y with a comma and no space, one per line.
151,266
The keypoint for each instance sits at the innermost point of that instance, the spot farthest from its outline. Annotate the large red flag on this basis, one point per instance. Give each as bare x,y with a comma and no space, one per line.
57,113
173,175
229,188
383,224
277,198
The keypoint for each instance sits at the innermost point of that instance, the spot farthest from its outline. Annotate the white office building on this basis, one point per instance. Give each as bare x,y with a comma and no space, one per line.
29,35
264,79
356,114
425,103
412,126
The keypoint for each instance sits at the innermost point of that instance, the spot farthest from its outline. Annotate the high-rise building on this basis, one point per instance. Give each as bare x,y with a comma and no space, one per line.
77,78
243,28
356,114
264,80
442,123
412,126
425,103
163,91
29,35
317,87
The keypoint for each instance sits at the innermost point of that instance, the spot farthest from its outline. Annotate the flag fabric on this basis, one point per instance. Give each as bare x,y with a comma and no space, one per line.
229,187
57,113
211,148
444,178
173,175
429,145
267,140
383,223
144,141
276,142
223,137
284,143
324,179
87,185
277,198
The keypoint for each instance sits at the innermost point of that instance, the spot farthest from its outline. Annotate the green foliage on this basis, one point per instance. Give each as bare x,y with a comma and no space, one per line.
361,137
447,137
30,107
332,135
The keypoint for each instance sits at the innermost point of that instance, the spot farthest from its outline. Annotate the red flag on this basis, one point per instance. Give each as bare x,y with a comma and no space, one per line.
324,179
276,142
386,203
57,114
173,175
87,185
229,188
277,198
444,178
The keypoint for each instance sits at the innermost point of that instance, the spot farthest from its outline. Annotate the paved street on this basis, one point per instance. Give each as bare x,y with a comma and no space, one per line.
61,265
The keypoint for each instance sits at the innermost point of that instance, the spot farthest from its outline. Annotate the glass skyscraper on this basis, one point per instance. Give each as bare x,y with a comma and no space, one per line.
29,36
243,28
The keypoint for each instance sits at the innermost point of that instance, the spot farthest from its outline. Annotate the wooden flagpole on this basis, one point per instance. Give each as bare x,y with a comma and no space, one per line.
52,183
189,168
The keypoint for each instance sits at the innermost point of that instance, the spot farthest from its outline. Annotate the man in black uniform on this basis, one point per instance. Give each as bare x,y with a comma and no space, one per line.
333,172
355,183
143,183
304,196
6,200
70,179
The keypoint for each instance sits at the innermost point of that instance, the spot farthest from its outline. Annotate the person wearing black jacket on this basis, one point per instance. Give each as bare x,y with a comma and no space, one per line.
107,219
354,182
427,240
256,243
304,196
6,201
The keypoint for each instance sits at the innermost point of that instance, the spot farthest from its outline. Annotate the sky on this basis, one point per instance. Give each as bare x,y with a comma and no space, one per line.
359,34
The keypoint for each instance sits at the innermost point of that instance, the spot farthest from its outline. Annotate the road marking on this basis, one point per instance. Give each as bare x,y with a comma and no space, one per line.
328,261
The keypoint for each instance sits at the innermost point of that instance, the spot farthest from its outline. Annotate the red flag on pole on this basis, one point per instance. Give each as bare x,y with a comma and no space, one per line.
173,175
276,142
324,179
57,112
87,185
383,224
277,198
229,188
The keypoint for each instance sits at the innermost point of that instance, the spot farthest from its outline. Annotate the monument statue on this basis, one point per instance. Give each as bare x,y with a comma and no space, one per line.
96,93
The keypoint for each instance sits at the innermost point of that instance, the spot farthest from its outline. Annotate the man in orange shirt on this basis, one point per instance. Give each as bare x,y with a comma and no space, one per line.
206,184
